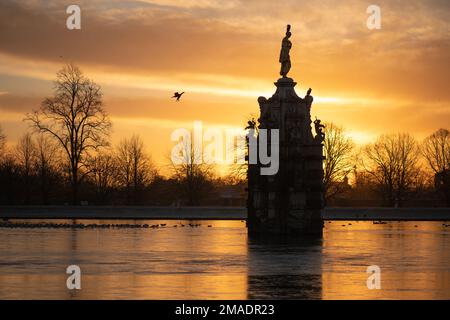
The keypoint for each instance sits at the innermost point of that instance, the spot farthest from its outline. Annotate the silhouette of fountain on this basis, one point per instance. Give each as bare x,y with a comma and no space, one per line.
290,201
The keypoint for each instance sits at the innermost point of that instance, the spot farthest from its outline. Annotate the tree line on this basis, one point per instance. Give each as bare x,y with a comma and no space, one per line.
394,170
36,171
67,158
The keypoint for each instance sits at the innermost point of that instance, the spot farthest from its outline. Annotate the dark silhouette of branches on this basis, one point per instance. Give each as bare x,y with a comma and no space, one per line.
10,174
238,171
392,161
75,118
135,170
338,159
436,150
25,153
46,166
2,142
192,174
102,170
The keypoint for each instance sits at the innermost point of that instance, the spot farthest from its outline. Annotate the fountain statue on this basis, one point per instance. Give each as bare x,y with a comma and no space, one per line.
291,200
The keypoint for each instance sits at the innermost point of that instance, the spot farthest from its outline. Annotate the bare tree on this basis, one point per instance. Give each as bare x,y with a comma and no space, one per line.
392,161
103,173
75,118
338,159
25,153
436,150
135,168
9,185
192,174
46,165
237,172
2,142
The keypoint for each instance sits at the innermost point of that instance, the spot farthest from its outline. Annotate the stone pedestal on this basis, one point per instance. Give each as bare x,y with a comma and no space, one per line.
291,201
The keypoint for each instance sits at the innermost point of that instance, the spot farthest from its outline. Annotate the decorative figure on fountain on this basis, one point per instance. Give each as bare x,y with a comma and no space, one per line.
320,135
308,98
251,124
285,59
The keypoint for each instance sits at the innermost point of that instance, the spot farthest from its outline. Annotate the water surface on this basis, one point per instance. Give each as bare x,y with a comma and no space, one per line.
218,260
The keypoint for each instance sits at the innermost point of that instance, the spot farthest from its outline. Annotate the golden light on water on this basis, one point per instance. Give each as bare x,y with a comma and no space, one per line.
350,242
222,262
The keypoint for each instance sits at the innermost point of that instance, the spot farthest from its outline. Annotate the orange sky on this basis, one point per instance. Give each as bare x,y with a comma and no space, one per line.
224,54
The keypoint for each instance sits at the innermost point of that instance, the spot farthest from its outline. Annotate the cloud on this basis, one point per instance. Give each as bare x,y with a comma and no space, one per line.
225,54
333,50
18,103
217,4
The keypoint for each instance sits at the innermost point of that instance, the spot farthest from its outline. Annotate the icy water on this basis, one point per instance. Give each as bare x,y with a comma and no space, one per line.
217,260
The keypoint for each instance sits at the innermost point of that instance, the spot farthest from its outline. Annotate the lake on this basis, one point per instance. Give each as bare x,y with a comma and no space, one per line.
218,260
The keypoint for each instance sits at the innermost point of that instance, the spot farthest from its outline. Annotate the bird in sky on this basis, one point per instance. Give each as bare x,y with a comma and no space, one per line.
177,95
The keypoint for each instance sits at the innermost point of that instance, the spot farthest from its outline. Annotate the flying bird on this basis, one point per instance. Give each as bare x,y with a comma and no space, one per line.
177,95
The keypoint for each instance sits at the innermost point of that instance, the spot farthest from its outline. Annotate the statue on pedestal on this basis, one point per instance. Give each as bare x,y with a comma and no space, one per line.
285,59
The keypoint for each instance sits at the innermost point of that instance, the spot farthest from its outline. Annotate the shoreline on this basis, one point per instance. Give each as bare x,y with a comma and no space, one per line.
212,213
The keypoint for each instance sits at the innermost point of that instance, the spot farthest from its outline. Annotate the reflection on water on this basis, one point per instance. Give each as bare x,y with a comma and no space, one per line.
221,262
